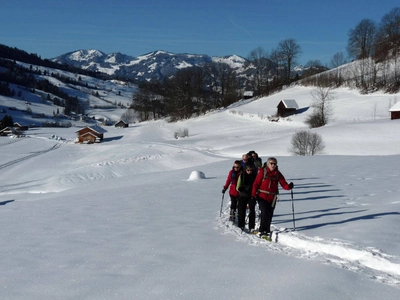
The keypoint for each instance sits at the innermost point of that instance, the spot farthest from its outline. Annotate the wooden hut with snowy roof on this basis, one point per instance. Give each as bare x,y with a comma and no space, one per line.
91,134
287,107
9,131
395,111
121,124
19,126
248,94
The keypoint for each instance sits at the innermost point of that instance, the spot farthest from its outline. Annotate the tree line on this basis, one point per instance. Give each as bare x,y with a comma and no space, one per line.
16,54
196,90
21,76
375,47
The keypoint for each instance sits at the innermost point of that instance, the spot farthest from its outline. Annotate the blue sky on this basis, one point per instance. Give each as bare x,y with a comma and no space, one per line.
50,28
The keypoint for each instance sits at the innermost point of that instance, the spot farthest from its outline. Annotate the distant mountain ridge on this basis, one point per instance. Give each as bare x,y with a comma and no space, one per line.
151,66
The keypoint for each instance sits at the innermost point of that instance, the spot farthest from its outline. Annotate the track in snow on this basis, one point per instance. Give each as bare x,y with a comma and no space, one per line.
10,163
370,261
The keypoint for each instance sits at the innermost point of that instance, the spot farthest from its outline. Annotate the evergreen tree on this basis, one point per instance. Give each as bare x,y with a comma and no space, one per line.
6,121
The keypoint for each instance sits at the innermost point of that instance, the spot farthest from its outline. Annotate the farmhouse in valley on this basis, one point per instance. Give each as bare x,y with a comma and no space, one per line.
91,134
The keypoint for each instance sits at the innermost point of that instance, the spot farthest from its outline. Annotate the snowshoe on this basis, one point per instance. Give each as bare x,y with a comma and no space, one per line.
265,236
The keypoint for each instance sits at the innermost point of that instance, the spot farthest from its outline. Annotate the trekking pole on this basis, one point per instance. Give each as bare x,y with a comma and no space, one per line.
294,224
222,203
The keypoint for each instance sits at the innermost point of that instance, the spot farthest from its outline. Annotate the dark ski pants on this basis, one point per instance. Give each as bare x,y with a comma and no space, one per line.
234,201
242,206
267,211
252,213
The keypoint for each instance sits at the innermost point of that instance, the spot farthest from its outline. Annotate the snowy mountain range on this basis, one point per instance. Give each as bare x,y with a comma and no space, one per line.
151,66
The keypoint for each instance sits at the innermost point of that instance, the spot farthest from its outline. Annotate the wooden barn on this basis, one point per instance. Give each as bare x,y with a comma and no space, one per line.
287,107
91,134
20,127
248,94
121,124
395,111
9,131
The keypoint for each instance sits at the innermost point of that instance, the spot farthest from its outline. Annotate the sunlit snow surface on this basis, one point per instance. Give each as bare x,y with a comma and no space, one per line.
137,216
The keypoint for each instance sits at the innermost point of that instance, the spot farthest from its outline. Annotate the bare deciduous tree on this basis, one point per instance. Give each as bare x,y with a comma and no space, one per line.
314,63
289,51
337,60
316,144
130,116
277,58
305,143
223,83
322,107
360,44
258,58
388,35
374,109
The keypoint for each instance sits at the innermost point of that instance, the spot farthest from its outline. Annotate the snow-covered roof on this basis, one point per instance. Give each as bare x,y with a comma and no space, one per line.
8,129
95,128
248,93
16,124
395,107
289,103
89,133
98,129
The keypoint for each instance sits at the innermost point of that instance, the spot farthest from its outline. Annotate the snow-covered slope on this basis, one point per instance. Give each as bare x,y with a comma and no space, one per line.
126,219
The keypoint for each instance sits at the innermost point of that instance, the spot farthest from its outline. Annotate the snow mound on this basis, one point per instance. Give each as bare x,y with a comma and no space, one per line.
196,175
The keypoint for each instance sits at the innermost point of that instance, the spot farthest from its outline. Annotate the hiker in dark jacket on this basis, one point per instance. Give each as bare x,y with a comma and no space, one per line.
244,186
231,181
247,159
265,188
257,160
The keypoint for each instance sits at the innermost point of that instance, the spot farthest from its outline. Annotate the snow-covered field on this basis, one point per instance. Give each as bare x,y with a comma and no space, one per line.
131,217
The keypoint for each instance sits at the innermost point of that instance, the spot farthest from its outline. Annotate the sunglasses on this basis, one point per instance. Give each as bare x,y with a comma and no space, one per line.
272,163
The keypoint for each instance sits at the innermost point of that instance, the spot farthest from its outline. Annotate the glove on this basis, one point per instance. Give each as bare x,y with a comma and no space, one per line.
223,191
291,185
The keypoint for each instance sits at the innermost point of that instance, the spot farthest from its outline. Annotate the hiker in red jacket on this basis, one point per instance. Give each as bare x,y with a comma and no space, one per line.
231,182
265,188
